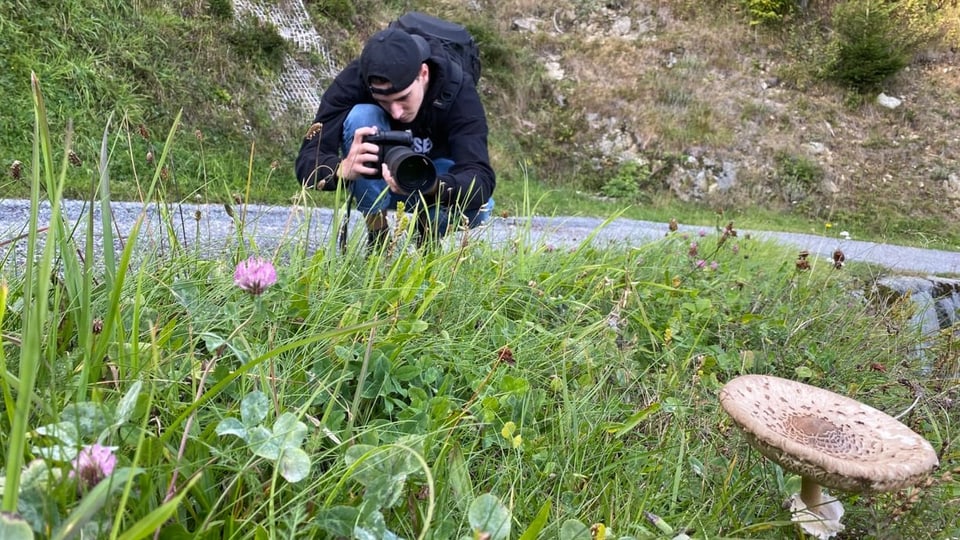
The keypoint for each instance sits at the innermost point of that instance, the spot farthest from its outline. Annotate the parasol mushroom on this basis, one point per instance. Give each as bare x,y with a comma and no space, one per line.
829,440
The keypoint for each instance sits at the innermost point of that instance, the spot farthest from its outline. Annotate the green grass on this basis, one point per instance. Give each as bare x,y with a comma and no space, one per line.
566,201
439,393
144,62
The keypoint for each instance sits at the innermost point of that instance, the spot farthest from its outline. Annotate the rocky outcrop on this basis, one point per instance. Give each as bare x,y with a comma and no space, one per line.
937,299
936,303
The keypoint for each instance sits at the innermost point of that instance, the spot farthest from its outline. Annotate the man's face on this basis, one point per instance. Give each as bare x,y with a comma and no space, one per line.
404,105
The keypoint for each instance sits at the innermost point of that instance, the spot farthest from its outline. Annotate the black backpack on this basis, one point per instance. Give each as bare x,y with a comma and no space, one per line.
456,40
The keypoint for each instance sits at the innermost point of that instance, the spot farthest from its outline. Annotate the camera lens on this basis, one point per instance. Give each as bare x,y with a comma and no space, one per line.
412,171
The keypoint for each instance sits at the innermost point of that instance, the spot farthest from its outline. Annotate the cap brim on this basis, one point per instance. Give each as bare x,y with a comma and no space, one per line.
837,441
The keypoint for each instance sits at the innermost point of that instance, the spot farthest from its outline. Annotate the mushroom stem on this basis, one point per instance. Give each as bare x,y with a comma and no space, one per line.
817,514
811,493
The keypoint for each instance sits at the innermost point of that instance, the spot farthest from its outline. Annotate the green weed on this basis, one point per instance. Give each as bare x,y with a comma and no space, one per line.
472,390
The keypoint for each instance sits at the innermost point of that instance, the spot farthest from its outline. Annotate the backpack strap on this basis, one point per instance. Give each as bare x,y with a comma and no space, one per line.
451,90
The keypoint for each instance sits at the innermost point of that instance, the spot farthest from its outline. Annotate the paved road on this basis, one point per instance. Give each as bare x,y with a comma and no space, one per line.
896,258
272,224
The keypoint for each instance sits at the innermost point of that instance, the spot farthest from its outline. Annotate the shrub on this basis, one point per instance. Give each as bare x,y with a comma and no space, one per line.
868,47
627,182
501,58
260,42
798,177
221,9
769,11
341,11
925,20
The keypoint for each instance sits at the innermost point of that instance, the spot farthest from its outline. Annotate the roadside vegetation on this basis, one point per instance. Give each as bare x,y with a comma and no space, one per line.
466,391
693,85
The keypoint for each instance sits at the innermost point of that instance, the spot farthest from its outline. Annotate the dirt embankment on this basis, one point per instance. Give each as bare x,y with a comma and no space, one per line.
731,115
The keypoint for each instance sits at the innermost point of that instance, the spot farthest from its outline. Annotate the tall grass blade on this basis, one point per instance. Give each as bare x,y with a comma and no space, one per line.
106,214
533,531
36,291
149,523
247,367
4,375
111,322
92,503
85,318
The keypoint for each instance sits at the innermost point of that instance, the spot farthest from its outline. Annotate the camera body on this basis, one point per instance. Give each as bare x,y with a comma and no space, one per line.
413,172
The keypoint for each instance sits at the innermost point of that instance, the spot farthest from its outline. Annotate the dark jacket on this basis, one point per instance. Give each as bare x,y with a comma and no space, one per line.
458,132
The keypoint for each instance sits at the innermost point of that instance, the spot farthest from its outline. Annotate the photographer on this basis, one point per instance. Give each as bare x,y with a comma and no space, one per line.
403,82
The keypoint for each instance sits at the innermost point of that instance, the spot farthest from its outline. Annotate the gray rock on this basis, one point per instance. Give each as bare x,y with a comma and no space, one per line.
936,307
889,102
525,24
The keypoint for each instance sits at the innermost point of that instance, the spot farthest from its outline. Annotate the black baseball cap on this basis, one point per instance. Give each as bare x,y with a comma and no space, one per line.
393,55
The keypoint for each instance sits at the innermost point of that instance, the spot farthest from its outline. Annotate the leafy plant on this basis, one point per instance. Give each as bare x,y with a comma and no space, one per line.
769,11
489,518
869,47
798,177
259,42
383,471
280,444
221,9
628,182
471,389
341,11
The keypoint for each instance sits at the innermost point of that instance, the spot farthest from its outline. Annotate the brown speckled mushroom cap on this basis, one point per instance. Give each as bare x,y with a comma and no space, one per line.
836,441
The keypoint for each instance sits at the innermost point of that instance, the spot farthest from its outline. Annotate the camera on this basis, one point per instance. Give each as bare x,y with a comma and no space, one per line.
413,172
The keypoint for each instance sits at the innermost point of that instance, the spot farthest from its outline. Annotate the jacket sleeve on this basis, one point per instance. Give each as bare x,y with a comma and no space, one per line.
471,180
319,156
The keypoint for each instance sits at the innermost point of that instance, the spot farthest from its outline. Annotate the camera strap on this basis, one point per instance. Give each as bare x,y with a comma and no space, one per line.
342,234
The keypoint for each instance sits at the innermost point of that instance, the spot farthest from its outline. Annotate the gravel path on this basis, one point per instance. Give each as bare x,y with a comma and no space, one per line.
269,225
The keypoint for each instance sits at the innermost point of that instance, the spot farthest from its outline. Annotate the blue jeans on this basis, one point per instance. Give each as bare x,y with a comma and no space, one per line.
373,196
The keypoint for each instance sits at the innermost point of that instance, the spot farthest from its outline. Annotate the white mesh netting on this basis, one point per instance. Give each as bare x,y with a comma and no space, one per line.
298,86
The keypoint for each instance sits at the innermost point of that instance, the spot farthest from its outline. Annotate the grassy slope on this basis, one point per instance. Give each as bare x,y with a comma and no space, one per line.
701,81
604,407
691,84
141,62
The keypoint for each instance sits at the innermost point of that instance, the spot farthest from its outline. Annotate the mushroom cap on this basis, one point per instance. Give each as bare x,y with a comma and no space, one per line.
836,441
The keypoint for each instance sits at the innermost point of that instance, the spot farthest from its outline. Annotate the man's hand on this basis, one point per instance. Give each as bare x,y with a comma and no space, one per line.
354,165
394,187
391,181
